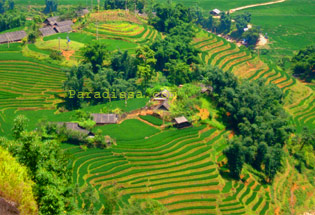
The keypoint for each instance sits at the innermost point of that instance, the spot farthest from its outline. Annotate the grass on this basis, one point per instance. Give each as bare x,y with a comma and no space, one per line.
152,119
289,25
129,130
49,115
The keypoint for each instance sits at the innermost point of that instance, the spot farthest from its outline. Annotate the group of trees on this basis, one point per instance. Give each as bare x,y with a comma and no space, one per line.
8,21
302,147
101,72
124,4
47,166
254,111
6,5
176,56
303,64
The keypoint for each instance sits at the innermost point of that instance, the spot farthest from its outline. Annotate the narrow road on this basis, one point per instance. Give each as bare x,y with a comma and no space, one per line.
255,5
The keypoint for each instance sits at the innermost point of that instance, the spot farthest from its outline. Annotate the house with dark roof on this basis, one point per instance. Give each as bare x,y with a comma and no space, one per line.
63,29
103,119
181,122
53,26
46,31
12,36
51,20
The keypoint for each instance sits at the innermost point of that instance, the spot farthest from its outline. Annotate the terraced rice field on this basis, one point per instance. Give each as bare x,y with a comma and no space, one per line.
176,167
130,32
218,52
26,83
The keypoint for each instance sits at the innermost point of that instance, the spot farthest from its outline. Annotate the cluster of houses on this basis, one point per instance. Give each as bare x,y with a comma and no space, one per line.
99,119
52,26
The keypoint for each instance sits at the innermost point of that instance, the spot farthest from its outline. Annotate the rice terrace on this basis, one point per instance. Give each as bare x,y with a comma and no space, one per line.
180,107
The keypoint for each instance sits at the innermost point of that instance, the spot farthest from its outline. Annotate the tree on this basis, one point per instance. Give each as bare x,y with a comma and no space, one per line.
20,124
235,155
307,137
11,4
112,197
251,36
124,64
241,23
303,63
74,84
146,62
2,9
95,53
51,6
272,161
225,22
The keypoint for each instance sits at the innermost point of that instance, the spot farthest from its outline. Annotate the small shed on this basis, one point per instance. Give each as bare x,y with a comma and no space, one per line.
46,31
181,122
163,106
102,119
12,36
215,12
51,20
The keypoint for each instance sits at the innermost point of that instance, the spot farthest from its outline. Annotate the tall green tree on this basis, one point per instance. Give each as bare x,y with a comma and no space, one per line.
95,53
51,6
236,159
146,62
20,124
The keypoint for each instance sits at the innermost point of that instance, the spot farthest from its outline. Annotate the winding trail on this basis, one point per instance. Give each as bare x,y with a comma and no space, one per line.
255,5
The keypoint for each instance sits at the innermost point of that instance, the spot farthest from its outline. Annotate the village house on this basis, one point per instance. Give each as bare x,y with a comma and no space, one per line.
215,12
163,106
53,26
181,122
10,37
103,119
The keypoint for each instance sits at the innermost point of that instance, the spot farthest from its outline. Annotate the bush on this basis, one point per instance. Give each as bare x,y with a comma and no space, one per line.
56,55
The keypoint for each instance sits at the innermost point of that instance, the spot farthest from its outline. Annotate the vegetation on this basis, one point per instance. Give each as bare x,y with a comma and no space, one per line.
15,183
261,131
47,166
303,64
9,21
162,46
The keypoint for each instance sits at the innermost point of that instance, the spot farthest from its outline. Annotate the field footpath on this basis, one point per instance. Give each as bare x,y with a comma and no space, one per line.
255,5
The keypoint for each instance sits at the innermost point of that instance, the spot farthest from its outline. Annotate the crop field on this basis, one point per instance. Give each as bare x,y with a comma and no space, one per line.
176,167
289,25
25,82
7,115
125,32
218,52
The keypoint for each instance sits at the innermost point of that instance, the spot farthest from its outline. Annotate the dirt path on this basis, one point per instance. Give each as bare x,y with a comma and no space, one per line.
255,5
